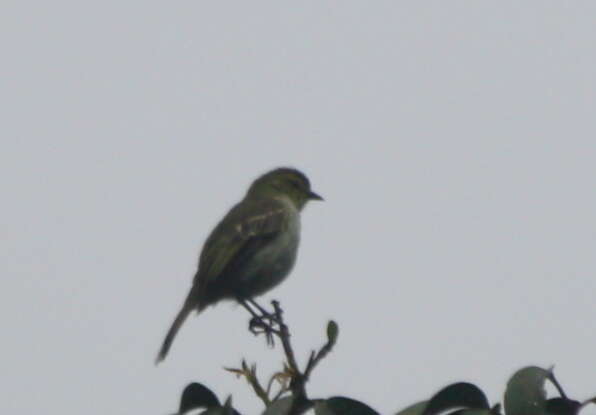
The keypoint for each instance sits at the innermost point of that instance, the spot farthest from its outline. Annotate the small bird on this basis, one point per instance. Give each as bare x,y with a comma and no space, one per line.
252,249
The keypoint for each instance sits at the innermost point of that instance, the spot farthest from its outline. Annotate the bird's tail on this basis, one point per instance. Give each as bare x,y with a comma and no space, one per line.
188,306
167,343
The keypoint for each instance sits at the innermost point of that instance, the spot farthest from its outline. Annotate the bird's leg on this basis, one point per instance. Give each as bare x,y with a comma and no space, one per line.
257,324
244,304
264,313
255,317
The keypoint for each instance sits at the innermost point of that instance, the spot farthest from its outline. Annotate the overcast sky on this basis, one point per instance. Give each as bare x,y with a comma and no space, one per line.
454,143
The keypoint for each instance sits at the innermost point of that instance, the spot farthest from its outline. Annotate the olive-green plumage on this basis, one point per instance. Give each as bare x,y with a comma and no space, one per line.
252,249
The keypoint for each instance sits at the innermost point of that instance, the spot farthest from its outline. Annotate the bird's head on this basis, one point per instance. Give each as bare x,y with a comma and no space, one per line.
284,181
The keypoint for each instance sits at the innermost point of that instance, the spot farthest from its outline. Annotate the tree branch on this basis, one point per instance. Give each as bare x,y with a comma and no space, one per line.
297,378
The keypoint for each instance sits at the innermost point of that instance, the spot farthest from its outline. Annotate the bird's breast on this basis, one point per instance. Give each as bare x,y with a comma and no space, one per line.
274,262
280,254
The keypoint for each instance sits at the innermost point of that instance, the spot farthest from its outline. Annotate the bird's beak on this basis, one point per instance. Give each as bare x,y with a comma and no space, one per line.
314,196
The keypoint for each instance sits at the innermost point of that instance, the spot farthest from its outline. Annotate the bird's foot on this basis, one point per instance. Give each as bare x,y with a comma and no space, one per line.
258,325
265,314
272,318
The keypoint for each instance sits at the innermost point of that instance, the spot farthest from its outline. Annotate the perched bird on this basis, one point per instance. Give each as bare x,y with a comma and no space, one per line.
252,249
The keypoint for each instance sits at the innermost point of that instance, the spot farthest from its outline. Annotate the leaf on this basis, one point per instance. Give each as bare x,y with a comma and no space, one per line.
588,402
457,395
237,372
196,396
562,406
525,394
332,332
321,408
226,409
279,407
220,410
415,409
496,409
339,405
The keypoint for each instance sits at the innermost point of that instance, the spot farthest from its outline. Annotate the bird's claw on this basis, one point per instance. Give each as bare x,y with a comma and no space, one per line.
257,326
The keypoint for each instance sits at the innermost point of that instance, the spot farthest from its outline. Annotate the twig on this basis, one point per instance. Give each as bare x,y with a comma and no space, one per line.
280,393
314,360
588,401
298,379
254,382
557,384
250,374
284,336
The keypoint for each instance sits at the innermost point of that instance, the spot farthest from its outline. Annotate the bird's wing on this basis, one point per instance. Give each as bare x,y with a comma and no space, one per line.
241,233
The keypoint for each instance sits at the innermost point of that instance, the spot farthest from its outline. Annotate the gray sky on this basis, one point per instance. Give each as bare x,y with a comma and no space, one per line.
454,143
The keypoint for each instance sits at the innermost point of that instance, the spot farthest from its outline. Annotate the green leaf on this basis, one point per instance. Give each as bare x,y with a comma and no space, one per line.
332,332
195,396
588,402
458,395
321,408
340,405
221,410
227,407
415,409
525,394
562,406
279,407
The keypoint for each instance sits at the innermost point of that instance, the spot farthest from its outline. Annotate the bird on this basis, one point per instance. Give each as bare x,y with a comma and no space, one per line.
252,249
